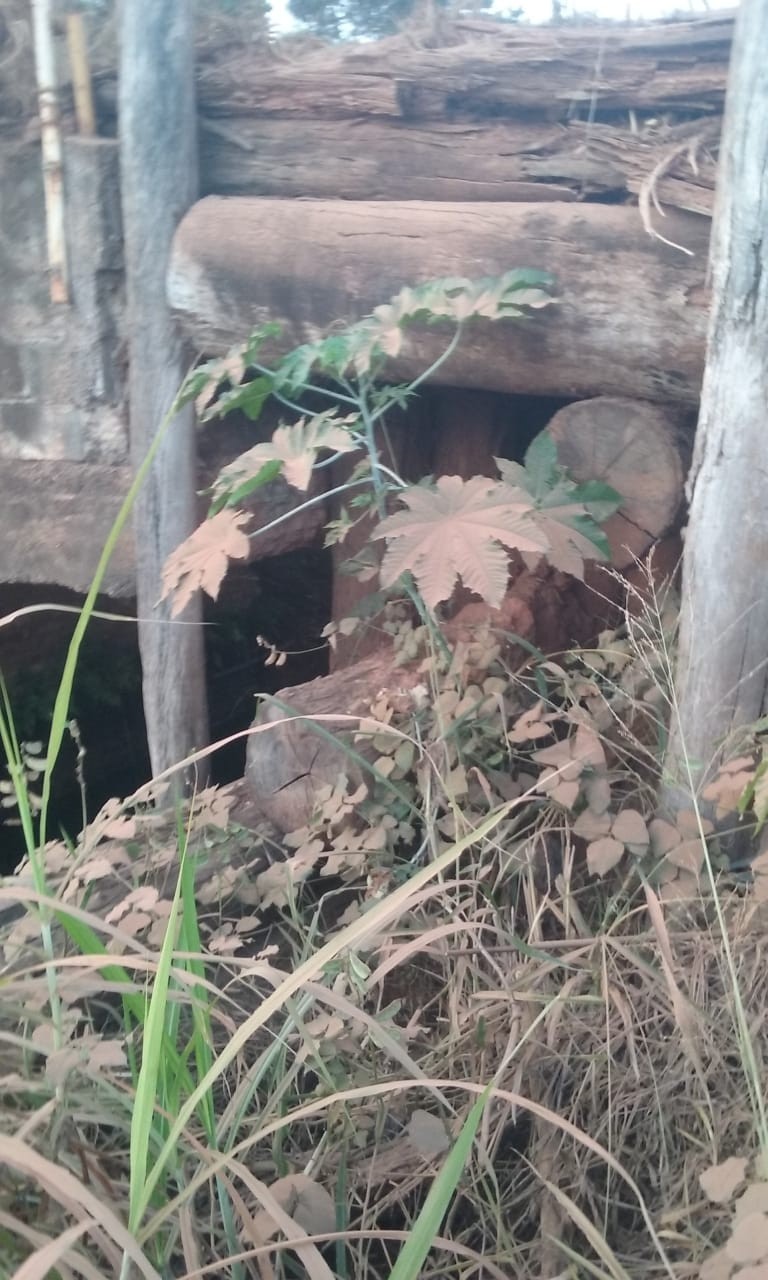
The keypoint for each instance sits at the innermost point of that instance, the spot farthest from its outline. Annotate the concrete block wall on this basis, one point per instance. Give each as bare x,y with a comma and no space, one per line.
62,368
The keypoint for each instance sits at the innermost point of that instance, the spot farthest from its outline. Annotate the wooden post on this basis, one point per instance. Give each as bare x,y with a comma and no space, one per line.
722,673
159,182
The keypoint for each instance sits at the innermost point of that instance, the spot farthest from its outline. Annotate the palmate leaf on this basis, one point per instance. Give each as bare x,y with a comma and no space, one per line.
458,530
365,345
202,560
292,451
249,399
204,380
567,512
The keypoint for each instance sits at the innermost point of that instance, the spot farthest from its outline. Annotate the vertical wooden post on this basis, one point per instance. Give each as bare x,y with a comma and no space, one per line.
158,141
722,673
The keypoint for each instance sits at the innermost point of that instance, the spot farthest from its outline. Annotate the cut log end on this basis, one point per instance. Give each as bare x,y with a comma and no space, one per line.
633,446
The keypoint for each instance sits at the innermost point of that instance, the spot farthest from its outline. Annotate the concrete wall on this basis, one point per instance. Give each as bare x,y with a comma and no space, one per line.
62,368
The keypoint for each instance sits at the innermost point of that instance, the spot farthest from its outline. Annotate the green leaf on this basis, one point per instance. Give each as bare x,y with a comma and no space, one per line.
587,527
293,371
234,496
249,399
541,466
194,384
294,448
600,500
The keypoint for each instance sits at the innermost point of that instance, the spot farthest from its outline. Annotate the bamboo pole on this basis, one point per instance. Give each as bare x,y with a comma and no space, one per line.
50,133
82,88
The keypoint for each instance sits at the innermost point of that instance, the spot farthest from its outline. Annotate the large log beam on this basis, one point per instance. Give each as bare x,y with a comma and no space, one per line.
488,68
502,160
381,159
631,317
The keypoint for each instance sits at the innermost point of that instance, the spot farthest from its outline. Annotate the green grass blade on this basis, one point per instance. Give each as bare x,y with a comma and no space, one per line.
154,1044
64,693
427,1225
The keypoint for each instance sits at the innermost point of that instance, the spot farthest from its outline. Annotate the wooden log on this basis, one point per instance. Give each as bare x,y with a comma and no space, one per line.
289,761
634,448
510,160
381,159
630,320
489,68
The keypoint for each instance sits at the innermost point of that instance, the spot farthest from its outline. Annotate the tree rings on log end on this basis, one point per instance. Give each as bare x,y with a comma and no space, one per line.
632,445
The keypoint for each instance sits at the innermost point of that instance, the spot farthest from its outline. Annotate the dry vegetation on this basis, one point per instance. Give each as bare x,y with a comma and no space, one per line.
221,1054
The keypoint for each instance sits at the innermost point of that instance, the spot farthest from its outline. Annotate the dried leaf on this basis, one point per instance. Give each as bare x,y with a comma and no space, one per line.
749,1239
603,855
428,1134
597,792
664,836
689,822
96,869
566,794
727,789
721,1180
142,899
591,826
753,1200
558,754
212,808
530,725
688,856
629,827
678,886
201,561
758,1272
587,748
309,1204
458,530
717,1267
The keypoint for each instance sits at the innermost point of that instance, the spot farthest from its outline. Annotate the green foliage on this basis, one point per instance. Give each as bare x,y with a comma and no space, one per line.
349,19
453,530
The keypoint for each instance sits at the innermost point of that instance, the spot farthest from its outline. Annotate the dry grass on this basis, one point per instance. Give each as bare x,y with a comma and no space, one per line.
334,1043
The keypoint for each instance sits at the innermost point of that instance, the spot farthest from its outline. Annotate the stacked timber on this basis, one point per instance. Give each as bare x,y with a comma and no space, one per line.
479,110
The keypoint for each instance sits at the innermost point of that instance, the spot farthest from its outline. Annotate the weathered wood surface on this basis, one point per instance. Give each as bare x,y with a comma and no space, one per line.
509,160
634,447
489,68
158,154
287,762
722,670
630,320
371,159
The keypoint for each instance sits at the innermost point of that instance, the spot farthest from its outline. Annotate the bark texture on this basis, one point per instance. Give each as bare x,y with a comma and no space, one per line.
630,319
159,183
517,159
722,675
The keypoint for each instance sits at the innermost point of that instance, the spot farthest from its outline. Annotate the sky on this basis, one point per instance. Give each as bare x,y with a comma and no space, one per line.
541,10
